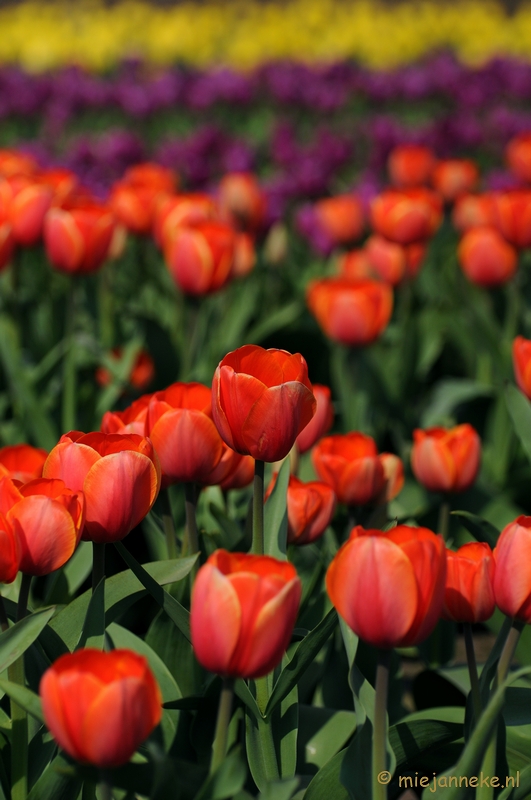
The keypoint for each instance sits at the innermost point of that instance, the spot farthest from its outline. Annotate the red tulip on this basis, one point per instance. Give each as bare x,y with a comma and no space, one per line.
9,551
341,218
350,464
233,471
130,420
13,162
355,265
311,507
47,519
486,258
261,401
446,460
518,156
321,422
410,165
469,593
25,201
393,468
134,206
392,262
521,364
22,462
63,182
142,372
172,212
512,575
100,706
118,474
179,423
473,211
512,216
244,255
406,216
242,613
241,201
78,238
455,177
389,587
353,313
200,258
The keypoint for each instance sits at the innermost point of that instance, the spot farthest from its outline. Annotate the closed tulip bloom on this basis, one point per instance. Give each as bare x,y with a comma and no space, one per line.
131,420
455,177
311,507
512,216
242,614
512,574
78,238
241,201
406,216
200,258
321,422
134,206
9,552
22,462
25,200
410,165
47,519
118,474
486,258
261,401
469,593
63,182
172,212
350,464
402,571
231,473
351,312
141,375
244,255
518,156
387,259
179,423
446,460
341,218
521,365
393,468
100,707
355,265
473,211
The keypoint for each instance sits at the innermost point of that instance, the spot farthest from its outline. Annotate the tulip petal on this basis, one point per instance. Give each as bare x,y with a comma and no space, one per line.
512,576
55,705
237,394
215,619
187,444
47,534
433,464
70,462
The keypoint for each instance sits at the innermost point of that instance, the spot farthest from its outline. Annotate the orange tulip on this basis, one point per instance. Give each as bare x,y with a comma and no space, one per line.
321,422
244,255
406,216
355,265
77,238
63,182
350,464
446,460
9,551
455,177
13,162
403,573
350,312
200,257
22,462
473,211
130,420
25,201
134,206
261,401
150,174
242,613
469,593
512,574
341,218
311,507
392,262
47,519
521,365
241,201
179,423
142,372
410,165
118,474
486,258
518,156
174,211
100,707
512,216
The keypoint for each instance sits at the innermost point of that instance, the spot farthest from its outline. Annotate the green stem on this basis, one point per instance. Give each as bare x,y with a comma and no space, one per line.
105,788
23,597
267,740
258,509
19,719
167,524
444,519
4,622
89,791
472,671
105,307
219,747
379,741
68,419
190,503
98,563
512,309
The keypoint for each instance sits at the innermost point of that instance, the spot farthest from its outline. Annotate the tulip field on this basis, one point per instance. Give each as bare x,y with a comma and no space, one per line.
265,403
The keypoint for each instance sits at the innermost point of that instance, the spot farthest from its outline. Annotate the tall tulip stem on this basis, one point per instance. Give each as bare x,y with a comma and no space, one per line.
219,747
98,563
444,519
190,504
4,622
105,788
167,524
379,741
23,597
19,719
258,509
472,670
68,419
106,307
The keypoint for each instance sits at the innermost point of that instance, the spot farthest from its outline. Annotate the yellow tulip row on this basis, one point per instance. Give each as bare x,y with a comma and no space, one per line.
240,33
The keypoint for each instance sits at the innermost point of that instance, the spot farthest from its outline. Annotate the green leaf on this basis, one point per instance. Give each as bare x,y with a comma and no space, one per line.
171,606
276,516
279,790
23,697
410,738
21,635
286,727
520,411
93,632
227,780
447,395
326,784
480,529
302,658
57,782
520,792
326,731
275,321
232,532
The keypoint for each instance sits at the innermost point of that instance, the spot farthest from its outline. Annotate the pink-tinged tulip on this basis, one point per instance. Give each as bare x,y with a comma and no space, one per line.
512,574
355,265
179,423
118,474
473,211
77,239
446,460
321,422
261,401
200,258
410,165
311,507
25,201
454,178
130,420
521,365
9,551
469,593
341,218
241,201
243,611
22,462
175,211
99,706
392,262
486,258
389,587
47,519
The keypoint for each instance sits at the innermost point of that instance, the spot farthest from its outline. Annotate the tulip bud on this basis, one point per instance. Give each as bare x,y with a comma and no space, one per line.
340,218
200,258
77,239
406,216
473,211
233,471
241,201
311,507
242,613
486,258
355,265
469,593
410,165
446,460
512,575
512,216
454,177
173,212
